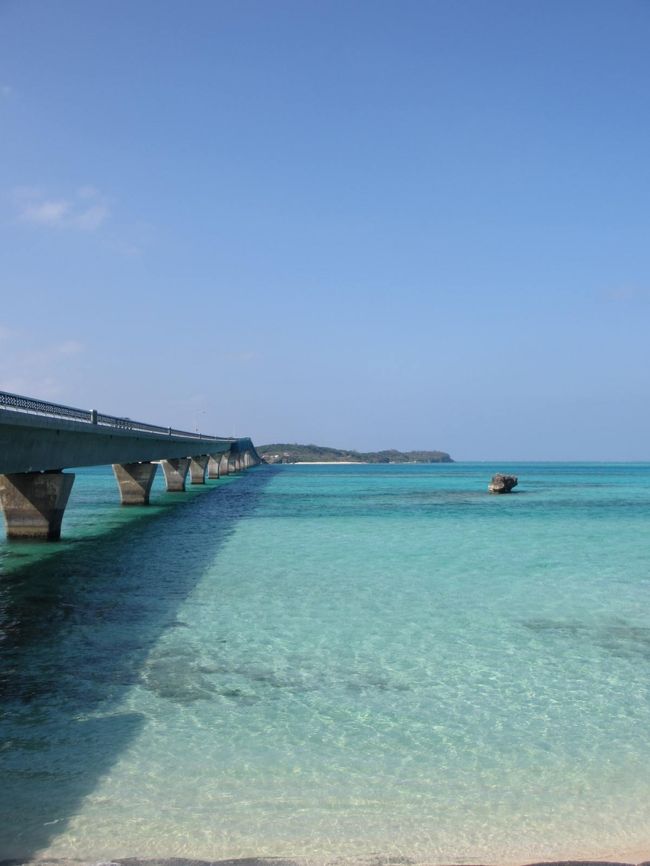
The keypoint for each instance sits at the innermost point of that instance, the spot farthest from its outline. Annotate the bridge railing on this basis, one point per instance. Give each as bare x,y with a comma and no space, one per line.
32,406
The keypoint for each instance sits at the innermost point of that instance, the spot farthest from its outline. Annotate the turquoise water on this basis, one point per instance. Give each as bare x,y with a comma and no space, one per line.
334,661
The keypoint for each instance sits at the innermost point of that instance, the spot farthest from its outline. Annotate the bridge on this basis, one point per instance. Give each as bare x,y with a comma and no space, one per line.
38,440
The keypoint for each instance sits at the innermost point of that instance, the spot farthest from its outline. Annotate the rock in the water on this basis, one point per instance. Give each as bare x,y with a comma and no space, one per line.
502,483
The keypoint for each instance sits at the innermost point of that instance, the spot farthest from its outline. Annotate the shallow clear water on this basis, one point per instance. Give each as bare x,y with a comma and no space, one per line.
334,661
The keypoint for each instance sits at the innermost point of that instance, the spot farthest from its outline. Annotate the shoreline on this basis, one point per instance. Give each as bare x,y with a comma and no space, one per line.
357,463
635,857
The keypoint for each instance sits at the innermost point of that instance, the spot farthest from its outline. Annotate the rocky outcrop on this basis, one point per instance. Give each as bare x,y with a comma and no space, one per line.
502,483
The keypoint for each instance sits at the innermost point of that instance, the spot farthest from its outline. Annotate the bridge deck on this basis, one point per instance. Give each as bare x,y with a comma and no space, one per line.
39,439
36,436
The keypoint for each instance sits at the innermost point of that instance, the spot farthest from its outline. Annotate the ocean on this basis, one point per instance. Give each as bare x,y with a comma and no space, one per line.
367,664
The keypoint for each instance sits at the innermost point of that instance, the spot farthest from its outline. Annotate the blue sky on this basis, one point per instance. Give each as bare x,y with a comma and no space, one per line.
361,224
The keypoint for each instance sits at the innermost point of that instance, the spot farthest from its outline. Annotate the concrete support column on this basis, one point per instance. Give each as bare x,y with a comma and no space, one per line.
213,466
224,464
134,481
175,473
33,503
197,469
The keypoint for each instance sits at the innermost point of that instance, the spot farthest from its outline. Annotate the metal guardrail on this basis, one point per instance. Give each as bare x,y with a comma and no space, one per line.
32,406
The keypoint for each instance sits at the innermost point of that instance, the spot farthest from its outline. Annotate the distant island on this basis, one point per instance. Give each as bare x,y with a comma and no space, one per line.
282,452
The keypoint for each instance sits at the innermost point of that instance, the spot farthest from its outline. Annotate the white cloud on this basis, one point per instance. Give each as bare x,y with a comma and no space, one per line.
46,212
85,211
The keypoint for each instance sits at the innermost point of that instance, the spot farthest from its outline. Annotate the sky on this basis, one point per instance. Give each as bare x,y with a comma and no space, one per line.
388,224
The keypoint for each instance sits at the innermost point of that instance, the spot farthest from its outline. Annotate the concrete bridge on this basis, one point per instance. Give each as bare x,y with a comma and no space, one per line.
39,439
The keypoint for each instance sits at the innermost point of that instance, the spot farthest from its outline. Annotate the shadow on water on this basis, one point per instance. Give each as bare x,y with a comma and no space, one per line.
77,627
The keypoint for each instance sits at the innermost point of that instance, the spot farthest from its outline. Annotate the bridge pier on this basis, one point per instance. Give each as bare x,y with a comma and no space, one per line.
213,466
135,481
224,464
175,473
197,469
33,503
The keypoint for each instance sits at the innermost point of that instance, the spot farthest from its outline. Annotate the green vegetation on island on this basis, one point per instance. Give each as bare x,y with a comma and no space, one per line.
282,452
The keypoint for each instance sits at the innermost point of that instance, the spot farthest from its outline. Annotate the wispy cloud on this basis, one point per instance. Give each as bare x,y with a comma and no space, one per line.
69,347
27,366
133,241
91,219
85,211
48,213
243,357
6,333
